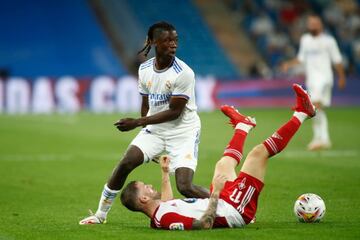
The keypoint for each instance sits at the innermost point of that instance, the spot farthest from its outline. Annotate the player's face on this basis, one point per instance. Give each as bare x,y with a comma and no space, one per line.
167,42
147,190
314,25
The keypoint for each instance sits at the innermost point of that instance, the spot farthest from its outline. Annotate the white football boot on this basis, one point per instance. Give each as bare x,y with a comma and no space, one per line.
92,219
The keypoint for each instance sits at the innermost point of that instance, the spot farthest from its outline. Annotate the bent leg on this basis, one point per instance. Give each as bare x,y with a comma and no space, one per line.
184,177
226,166
233,152
255,162
132,159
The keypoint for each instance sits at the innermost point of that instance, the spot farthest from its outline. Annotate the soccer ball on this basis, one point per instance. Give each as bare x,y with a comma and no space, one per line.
309,208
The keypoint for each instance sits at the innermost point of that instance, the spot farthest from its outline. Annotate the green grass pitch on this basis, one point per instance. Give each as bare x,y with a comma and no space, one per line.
53,168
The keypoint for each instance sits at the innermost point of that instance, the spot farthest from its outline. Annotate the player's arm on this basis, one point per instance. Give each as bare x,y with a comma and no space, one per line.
285,66
336,58
176,107
166,190
339,68
207,220
183,88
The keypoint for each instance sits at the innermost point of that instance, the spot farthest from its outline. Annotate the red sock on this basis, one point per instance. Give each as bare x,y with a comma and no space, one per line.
278,141
235,147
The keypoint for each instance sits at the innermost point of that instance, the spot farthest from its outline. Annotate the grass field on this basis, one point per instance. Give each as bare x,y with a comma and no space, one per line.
52,170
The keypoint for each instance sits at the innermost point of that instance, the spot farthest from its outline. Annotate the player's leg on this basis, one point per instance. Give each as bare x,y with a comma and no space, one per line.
256,160
142,149
234,150
325,102
321,96
184,177
182,148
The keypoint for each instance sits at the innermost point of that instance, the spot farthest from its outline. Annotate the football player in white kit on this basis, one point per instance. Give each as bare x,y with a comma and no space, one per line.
233,199
168,117
318,51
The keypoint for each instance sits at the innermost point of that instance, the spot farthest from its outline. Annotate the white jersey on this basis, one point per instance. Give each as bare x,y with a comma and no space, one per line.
176,80
179,214
318,53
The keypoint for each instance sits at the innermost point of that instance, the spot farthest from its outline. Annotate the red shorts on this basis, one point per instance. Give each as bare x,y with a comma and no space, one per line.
242,194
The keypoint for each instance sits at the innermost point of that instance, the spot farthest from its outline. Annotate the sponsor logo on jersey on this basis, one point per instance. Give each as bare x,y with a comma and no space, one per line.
158,99
176,226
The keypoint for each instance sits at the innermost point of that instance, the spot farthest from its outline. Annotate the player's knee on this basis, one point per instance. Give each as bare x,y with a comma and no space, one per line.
185,188
129,163
133,158
258,152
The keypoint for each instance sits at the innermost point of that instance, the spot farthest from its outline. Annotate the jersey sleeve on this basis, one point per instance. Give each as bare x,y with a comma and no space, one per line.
143,90
184,85
301,53
335,54
174,221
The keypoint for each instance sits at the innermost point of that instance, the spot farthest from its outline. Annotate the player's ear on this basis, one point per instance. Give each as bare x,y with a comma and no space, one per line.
144,199
155,42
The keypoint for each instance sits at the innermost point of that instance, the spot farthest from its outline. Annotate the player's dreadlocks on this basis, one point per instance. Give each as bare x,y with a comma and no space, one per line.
154,31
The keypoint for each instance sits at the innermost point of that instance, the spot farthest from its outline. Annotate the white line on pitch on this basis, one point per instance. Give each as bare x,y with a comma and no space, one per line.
56,157
326,153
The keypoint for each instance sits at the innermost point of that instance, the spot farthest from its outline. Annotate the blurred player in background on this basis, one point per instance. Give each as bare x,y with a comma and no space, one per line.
318,51
168,117
233,200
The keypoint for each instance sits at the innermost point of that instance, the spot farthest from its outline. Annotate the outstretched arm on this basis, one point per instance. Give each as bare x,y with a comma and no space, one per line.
176,107
166,190
207,220
339,68
289,64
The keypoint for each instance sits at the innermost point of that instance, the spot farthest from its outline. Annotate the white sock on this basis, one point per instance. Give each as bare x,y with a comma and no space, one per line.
106,201
300,116
245,127
316,126
323,128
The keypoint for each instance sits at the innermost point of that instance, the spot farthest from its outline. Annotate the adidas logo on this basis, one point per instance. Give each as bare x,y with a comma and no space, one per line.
276,135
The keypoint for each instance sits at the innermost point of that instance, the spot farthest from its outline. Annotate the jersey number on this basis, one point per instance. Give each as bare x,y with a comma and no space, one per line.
235,196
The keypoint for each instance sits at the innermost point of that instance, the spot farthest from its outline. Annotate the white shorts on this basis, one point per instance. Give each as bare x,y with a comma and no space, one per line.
320,92
181,148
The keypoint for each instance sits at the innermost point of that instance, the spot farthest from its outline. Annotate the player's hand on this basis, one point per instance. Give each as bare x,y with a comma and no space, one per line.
219,182
126,124
341,83
284,67
164,163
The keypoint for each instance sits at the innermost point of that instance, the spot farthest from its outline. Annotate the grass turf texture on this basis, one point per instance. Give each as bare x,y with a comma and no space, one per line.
52,169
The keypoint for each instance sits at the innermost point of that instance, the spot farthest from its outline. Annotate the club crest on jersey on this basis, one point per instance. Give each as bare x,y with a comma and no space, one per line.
189,200
176,226
242,185
168,85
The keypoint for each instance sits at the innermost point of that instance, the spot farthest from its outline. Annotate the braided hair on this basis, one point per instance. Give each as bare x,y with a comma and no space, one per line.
154,31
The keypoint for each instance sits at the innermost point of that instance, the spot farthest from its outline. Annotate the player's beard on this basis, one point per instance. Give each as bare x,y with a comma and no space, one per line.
157,196
314,32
